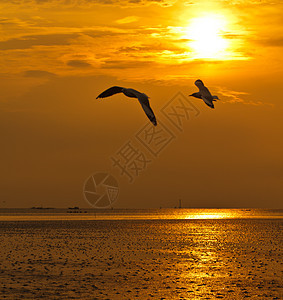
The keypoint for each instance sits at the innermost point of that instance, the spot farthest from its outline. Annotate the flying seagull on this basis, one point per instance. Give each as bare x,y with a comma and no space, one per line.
143,99
204,94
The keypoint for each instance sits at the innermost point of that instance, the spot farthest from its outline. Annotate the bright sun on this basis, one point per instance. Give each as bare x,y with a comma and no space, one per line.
206,37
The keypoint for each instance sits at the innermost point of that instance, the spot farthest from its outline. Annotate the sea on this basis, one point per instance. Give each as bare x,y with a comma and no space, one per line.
76,213
127,254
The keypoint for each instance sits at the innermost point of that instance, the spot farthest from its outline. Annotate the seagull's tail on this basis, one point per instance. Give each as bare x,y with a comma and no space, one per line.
215,98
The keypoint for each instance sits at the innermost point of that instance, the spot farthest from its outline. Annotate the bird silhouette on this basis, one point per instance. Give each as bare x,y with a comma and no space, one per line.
204,94
142,98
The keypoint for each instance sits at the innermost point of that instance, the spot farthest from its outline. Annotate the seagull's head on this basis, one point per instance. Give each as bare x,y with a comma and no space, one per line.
199,83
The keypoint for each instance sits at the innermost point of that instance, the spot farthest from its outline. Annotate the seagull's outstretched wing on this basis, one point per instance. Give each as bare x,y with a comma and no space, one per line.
143,100
207,102
111,91
197,95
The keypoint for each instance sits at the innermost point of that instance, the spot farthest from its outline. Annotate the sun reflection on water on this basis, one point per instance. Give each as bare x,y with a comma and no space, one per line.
202,215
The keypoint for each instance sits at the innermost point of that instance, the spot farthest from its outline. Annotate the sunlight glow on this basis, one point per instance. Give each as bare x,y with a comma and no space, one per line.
206,37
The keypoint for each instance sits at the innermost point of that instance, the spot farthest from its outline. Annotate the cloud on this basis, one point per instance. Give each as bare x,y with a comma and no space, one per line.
76,63
87,3
127,20
271,42
150,48
250,2
7,22
236,97
233,36
233,96
38,73
103,32
26,42
125,64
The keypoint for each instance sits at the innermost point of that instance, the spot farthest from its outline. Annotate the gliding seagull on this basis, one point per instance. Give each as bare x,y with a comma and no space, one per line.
143,99
204,94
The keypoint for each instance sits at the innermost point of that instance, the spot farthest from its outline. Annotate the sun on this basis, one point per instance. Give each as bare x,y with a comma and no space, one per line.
206,39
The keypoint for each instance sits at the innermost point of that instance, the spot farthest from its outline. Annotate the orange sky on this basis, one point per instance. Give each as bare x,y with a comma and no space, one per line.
57,56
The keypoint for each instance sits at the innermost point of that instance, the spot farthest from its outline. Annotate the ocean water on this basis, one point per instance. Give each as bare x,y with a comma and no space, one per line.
142,254
7,214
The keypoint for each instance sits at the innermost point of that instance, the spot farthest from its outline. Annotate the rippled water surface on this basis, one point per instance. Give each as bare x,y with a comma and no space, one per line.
141,258
132,214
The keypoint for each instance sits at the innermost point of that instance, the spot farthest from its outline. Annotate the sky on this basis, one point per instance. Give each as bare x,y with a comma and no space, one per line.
57,56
